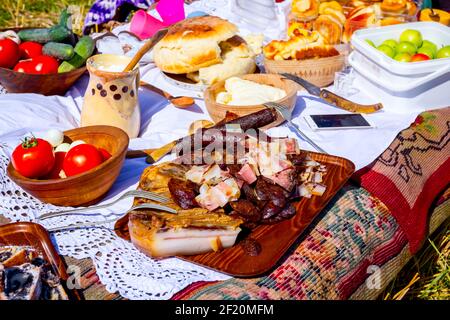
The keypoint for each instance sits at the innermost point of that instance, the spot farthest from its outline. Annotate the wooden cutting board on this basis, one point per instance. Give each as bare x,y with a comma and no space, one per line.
274,239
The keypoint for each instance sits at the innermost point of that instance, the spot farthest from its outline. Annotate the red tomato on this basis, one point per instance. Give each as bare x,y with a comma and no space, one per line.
9,53
24,66
81,158
58,166
30,49
419,57
33,158
105,154
38,65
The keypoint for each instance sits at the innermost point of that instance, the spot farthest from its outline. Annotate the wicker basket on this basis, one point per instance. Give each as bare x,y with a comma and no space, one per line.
217,110
317,71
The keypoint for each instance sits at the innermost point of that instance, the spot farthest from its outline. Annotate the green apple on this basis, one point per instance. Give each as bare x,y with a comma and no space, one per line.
387,50
428,51
413,36
370,42
443,52
406,47
431,45
403,57
391,43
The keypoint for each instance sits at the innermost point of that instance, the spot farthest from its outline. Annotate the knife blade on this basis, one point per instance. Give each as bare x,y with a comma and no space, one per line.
333,98
153,155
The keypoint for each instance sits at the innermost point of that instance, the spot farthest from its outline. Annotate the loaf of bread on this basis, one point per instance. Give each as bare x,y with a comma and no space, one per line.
193,44
237,59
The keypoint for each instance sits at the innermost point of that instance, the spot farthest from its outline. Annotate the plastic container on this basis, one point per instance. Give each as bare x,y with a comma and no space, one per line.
144,25
402,86
171,11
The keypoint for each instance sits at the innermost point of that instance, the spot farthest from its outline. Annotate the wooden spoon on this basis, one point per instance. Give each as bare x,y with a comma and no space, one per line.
178,101
148,45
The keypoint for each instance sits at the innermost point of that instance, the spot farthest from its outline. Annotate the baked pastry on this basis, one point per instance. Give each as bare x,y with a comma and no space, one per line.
22,282
193,44
299,29
24,275
334,9
311,45
2,283
15,255
330,28
394,6
237,59
329,21
206,49
305,10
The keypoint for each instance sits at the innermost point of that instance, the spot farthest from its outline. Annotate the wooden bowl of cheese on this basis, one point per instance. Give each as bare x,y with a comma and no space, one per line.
246,94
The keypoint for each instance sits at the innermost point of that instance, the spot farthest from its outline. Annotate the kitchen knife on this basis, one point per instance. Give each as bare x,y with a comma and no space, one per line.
153,155
333,98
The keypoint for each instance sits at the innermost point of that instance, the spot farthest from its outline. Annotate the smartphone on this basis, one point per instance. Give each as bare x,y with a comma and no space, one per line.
337,121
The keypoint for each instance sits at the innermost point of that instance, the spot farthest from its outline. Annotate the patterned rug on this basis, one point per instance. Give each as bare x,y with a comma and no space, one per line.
412,173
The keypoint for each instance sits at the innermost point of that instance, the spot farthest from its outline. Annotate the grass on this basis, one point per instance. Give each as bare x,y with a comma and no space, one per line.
427,275
41,13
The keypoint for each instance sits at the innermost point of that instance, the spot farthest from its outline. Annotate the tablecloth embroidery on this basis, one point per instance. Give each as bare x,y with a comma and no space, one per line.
119,265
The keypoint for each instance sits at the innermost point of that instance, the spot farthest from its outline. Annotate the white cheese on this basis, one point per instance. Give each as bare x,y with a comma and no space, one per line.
245,92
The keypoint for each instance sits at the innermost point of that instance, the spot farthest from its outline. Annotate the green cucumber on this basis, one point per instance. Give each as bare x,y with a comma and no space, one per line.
61,51
64,19
56,33
83,50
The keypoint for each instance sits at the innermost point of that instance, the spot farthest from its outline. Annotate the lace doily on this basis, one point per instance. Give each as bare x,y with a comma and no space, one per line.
120,267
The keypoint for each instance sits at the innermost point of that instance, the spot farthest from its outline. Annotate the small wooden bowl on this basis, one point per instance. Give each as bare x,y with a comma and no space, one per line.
317,71
46,84
86,188
217,110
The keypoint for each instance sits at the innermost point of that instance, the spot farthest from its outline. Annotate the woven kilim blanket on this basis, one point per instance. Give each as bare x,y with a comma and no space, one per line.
355,236
412,173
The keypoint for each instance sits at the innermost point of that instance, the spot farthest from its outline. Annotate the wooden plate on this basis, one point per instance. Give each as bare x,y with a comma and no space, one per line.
35,236
274,239
217,111
183,82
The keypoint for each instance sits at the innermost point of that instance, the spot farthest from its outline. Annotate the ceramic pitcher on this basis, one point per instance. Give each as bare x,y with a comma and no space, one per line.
111,96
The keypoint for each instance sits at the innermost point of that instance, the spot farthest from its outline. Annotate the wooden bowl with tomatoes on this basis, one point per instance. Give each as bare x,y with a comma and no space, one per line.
84,188
34,78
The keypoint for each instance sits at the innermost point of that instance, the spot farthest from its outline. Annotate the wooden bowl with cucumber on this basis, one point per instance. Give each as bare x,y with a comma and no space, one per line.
58,41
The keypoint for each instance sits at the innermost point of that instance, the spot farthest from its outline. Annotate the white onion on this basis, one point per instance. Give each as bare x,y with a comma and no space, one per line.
54,137
76,143
10,34
63,147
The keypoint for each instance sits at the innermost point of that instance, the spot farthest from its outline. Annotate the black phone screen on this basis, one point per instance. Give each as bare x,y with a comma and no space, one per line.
339,120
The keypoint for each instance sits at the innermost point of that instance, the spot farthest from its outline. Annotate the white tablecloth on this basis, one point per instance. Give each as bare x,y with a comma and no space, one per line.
119,265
